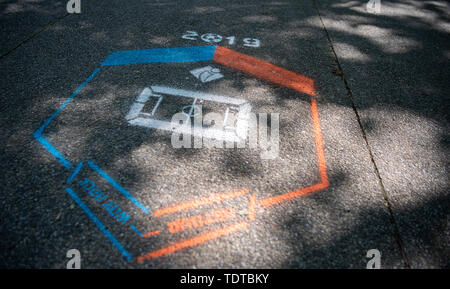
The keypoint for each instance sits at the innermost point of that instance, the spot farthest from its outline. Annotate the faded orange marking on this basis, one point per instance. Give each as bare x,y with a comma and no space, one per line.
200,220
322,166
267,71
193,241
288,196
264,70
251,207
319,143
198,203
149,234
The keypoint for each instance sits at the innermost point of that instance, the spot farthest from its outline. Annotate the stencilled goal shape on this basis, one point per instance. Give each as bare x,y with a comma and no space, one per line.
164,102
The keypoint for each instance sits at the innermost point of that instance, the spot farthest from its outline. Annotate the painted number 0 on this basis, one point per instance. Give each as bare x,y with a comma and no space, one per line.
216,38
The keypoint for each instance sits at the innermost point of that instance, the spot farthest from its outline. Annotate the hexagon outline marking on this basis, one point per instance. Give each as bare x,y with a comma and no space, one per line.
253,66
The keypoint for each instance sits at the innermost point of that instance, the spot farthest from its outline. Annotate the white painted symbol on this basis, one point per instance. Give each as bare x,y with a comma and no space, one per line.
207,73
233,132
211,38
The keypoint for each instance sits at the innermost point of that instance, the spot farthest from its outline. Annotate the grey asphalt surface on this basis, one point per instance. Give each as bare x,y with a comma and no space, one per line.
382,96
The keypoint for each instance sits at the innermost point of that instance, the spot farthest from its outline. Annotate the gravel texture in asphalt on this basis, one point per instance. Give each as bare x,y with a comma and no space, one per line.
366,155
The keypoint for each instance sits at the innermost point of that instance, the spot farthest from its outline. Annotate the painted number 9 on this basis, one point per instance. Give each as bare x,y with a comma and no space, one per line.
251,42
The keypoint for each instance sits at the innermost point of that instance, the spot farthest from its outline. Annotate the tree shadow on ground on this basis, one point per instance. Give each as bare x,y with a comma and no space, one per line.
413,78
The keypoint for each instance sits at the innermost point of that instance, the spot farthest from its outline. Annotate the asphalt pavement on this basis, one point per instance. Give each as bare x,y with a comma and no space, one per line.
361,99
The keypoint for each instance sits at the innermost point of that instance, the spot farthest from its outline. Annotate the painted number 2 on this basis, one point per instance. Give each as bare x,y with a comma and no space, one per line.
216,38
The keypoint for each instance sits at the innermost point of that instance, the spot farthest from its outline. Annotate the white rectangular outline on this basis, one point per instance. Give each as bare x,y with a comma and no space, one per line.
236,134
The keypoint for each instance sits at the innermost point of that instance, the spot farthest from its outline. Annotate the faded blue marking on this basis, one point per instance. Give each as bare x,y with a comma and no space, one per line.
117,186
47,122
136,230
38,133
98,223
77,170
161,55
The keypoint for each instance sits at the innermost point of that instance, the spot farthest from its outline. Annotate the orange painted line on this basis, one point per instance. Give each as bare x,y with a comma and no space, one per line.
193,241
267,202
251,207
319,143
321,161
198,203
149,234
264,70
200,220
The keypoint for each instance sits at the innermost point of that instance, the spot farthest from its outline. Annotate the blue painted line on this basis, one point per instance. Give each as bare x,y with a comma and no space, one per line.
117,186
161,55
56,154
136,230
38,133
47,122
77,170
98,223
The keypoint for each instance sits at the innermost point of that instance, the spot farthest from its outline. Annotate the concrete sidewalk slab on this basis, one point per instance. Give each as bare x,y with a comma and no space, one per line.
396,66
331,228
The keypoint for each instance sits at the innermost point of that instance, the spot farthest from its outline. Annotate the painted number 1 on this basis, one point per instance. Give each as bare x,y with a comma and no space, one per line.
216,38
231,40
